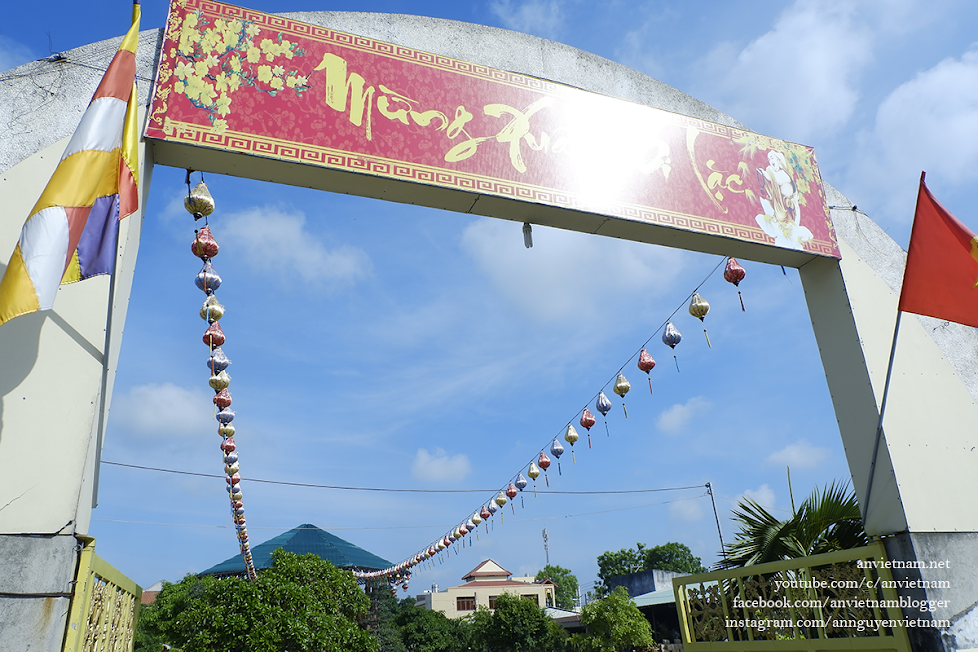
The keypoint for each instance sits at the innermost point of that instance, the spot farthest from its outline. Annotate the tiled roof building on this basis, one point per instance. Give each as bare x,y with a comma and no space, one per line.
483,584
300,540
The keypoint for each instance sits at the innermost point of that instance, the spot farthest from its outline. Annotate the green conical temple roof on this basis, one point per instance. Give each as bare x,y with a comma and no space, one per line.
300,540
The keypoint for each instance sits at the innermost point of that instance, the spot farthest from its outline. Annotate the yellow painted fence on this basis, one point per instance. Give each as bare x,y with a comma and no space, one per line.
835,601
104,606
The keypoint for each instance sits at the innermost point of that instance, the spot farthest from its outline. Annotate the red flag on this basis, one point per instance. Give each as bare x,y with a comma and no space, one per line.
941,278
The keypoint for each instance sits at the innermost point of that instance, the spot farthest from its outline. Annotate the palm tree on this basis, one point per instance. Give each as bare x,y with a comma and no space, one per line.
828,520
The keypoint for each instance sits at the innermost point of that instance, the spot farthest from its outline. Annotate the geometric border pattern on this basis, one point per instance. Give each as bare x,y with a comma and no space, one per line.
230,141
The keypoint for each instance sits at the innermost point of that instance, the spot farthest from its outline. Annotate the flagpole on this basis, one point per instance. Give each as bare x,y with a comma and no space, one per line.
879,425
100,433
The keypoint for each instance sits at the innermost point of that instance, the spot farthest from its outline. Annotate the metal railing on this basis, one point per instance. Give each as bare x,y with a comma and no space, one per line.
833,601
104,606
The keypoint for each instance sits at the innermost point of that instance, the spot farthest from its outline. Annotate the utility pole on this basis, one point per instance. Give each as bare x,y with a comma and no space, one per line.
546,546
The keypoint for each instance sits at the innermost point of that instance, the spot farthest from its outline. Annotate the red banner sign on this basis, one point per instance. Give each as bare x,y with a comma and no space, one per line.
244,81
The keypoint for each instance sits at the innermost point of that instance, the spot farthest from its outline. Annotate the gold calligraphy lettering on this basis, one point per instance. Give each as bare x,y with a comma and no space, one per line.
421,118
516,130
339,86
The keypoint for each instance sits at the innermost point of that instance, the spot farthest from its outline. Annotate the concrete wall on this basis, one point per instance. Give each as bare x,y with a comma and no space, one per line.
643,582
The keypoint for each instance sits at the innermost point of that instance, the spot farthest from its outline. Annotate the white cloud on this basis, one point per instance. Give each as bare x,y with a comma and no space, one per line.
673,420
13,54
927,123
800,454
800,78
686,510
275,240
539,17
440,466
763,496
567,274
164,410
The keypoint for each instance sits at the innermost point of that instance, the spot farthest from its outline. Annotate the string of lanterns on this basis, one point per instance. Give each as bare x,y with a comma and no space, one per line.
401,573
200,204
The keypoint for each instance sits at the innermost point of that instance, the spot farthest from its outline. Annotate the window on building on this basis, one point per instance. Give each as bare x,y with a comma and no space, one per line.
532,598
492,601
465,604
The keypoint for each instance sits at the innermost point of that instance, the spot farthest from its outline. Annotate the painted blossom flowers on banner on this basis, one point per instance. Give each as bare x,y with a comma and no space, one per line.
216,58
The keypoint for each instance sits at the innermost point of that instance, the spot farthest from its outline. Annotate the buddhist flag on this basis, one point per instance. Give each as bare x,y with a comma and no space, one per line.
72,231
941,278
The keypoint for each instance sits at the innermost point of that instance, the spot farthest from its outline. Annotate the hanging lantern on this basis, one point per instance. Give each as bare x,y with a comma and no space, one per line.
511,492
211,310
501,500
557,449
735,273
225,416
534,473
544,463
217,361
587,420
485,513
476,518
699,307
621,388
225,430
207,279
214,336
671,337
520,482
470,525
199,201
228,446
646,363
204,245
493,507
571,436
603,405
220,381
223,398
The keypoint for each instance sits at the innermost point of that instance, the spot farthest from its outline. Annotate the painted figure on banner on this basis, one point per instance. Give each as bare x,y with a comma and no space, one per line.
779,197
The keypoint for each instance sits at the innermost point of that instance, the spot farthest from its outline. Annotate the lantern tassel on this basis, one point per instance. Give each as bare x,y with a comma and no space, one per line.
650,387
707,338
573,457
559,472
677,362
547,478
513,506
522,504
624,408
534,489
742,309
589,439
607,432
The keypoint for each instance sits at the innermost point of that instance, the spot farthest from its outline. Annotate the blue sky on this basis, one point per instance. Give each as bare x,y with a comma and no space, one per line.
381,345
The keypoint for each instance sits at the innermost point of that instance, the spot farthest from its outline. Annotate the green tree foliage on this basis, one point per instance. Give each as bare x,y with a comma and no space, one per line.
422,630
566,591
676,557
301,603
613,623
381,622
516,625
828,520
